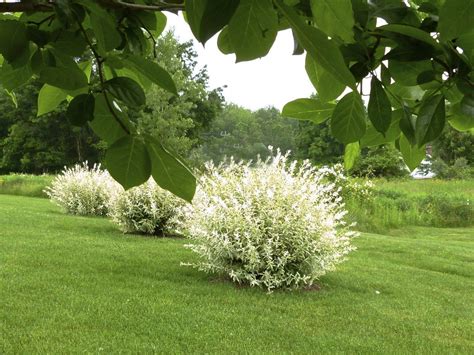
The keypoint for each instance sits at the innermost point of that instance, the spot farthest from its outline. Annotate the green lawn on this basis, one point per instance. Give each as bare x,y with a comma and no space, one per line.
74,284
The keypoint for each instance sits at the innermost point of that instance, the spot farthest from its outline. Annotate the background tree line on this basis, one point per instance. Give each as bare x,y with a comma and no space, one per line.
198,124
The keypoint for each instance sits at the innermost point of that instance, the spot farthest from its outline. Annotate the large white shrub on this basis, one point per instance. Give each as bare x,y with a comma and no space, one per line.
146,209
274,224
83,191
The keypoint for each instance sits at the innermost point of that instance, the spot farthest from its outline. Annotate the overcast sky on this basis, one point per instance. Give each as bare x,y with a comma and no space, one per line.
271,81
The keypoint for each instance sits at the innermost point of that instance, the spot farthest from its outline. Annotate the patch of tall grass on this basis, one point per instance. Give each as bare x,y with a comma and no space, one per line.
24,184
399,203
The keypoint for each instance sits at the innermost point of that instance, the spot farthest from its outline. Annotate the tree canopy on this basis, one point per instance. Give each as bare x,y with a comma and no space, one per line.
418,56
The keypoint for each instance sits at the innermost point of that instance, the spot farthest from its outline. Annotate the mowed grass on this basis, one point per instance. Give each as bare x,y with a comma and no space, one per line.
74,284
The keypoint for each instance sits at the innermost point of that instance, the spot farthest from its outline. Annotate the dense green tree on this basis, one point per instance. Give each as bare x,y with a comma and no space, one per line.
243,134
381,161
453,145
32,144
277,131
315,142
177,121
235,132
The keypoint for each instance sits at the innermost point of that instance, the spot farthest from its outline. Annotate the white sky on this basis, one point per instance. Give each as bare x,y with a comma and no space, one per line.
271,81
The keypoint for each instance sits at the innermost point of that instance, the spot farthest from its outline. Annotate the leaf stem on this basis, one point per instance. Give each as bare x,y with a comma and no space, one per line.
151,37
99,61
160,6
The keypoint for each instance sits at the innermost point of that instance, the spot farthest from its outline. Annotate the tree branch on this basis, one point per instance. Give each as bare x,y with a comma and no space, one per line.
99,61
108,4
25,7
160,6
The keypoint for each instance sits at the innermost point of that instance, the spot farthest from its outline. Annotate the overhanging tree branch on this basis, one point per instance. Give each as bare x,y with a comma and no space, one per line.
99,61
26,6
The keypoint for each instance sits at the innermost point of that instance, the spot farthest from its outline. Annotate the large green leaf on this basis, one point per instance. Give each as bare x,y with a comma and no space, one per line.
385,75
334,17
170,172
81,109
374,138
412,32
406,73
69,78
412,155
408,94
153,72
86,67
466,42
467,105
104,26
455,18
410,52
36,61
12,78
379,108
351,153
392,11
128,161
308,109
207,17
13,39
104,124
326,86
49,98
348,122
70,43
253,29
407,124
324,51
223,41
431,119
155,22
126,90
461,122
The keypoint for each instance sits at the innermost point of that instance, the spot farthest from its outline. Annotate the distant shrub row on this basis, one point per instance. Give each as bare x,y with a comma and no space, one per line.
273,224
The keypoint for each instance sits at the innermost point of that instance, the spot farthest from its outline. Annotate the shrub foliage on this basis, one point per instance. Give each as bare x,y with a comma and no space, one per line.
274,224
83,191
146,209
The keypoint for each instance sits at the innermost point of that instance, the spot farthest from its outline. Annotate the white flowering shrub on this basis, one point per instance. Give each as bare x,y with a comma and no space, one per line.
349,187
275,224
83,191
146,209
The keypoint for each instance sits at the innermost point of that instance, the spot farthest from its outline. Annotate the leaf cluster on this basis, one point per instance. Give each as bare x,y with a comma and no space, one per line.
96,58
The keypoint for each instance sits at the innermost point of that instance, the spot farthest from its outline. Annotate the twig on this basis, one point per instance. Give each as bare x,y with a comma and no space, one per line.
23,6
50,17
157,7
99,62
151,37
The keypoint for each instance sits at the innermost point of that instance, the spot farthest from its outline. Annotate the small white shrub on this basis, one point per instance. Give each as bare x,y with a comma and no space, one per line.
146,209
83,191
349,187
274,224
